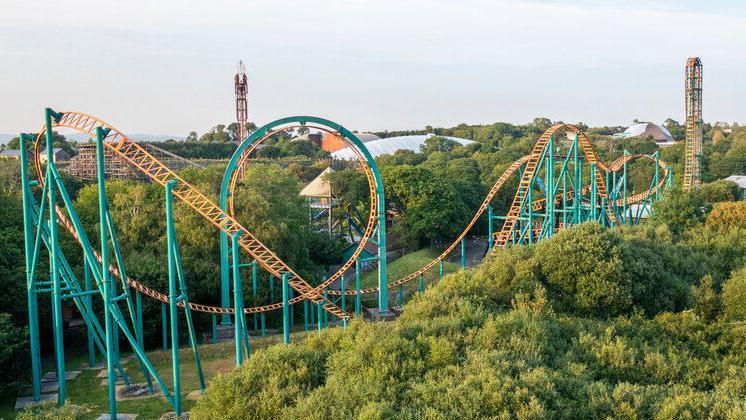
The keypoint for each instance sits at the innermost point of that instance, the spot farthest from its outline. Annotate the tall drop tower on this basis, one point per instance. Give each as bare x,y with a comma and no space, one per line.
242,112
693,147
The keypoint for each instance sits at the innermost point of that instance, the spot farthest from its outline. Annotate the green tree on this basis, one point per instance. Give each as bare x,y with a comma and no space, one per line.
680,210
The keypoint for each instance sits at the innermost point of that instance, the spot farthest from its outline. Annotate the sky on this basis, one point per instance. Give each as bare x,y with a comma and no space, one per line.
166,67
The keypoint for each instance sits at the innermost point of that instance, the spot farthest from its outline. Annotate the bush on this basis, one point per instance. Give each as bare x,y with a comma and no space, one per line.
13,349
734,296
726,217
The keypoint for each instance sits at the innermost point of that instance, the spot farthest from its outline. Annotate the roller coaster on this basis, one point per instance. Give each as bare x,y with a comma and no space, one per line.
560,183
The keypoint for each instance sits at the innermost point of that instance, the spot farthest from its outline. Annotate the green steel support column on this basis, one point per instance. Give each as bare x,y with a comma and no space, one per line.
225,274
313,314
624,190
442,269
28,237
576,182
530,207
657,175
292,312
550,189
117,316
188,312
214,338
613,196
593,191
255,292
326,314
305,315
106,276
138,311
401,295
609,219
463,253
164,321
422,283
173,297
319,318
54,269
91,331
271,288
358,305
262,321
490,227
286,308
342,288
564,198
237,297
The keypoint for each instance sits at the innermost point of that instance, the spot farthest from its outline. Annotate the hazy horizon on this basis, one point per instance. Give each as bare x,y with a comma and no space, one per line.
167,67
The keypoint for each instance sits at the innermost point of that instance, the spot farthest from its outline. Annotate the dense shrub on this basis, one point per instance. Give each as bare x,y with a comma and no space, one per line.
508,340
734,296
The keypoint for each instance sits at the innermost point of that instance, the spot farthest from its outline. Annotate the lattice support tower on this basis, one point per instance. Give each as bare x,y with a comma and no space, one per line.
242,108
693,147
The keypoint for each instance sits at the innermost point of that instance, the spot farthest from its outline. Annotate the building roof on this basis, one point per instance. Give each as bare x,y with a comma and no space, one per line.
10,153
319,187
55,150
659,133
738,179
366,137
390,145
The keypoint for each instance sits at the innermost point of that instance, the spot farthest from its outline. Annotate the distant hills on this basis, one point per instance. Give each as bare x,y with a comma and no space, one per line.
5,138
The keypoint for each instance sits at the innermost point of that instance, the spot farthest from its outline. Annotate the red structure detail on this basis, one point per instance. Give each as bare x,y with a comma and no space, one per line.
242,109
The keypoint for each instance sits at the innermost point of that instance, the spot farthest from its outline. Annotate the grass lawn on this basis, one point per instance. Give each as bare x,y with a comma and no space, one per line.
407,264
87,390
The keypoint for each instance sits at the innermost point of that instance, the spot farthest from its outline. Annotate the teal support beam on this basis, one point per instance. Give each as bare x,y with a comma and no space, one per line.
463,253
442,268
54,270
594,195
286,307
401,295
138,312
343,297
490,227
174,295
95,265
111,357
214,334
319,318
91,331
358,305
164,323
326,314
271,288
422,283
259,134
263,324
625,219
305,315
237,297
255,291
29,242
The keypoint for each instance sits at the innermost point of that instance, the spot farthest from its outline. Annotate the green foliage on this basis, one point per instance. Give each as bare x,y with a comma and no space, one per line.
50,411
734,296
705,300
13,348
680,210
720,190
512,338
727,217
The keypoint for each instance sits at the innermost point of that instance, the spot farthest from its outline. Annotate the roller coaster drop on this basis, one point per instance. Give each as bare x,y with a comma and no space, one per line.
561,183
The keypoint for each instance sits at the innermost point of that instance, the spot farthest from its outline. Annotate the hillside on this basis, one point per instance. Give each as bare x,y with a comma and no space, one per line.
591,323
